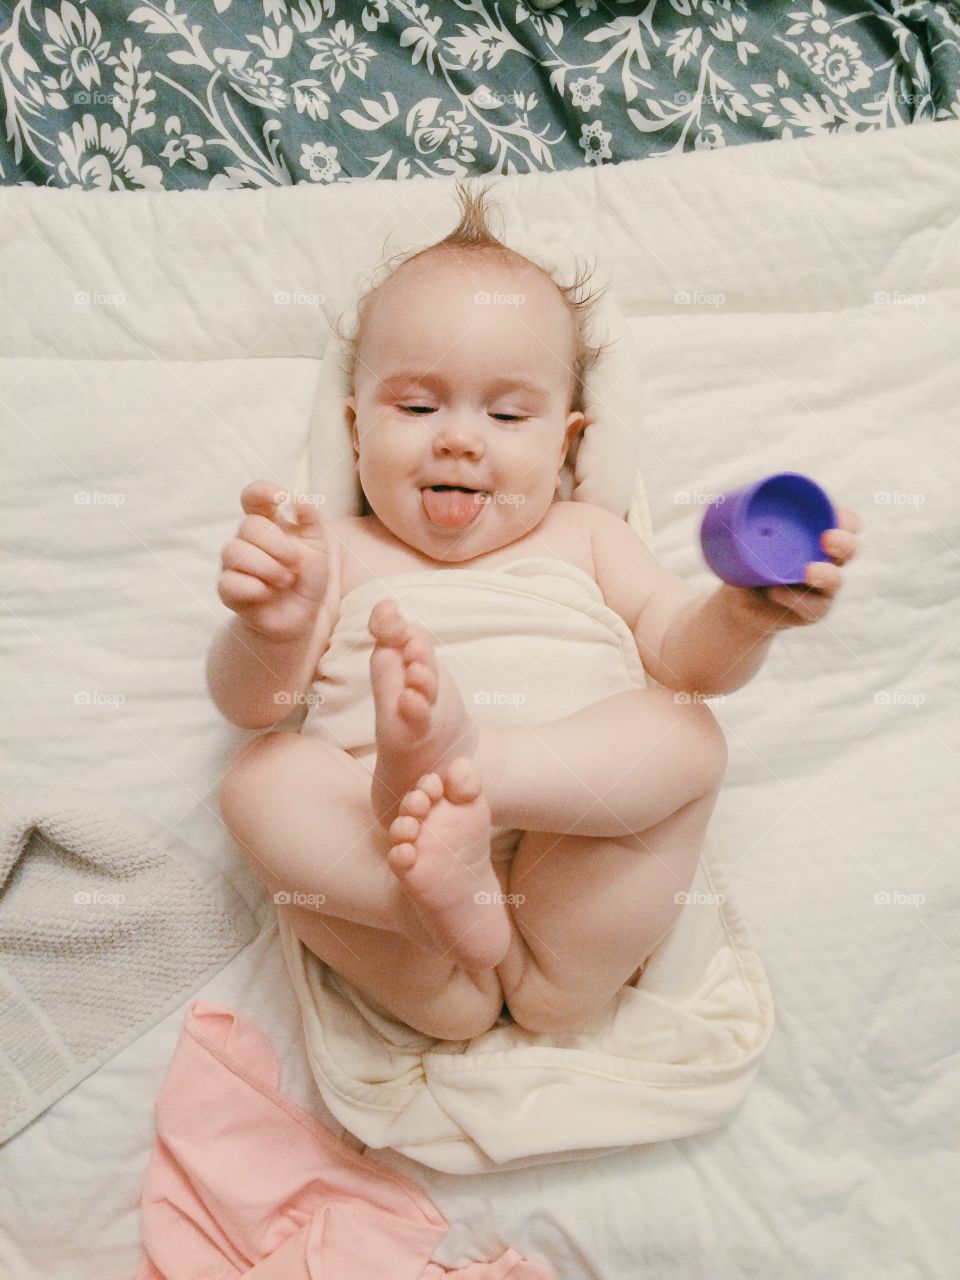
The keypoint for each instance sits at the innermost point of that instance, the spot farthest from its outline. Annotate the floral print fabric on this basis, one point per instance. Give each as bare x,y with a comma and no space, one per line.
251,93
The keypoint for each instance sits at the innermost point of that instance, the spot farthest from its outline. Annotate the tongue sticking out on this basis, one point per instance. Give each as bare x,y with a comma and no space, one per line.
451,508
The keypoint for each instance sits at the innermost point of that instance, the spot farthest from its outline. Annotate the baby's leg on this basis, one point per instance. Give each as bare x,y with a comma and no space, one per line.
300,810
589,910
616,767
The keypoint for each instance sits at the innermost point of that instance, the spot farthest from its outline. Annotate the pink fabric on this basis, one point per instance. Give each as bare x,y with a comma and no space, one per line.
243,1182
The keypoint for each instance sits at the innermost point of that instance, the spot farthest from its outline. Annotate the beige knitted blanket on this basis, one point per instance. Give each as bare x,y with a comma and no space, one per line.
103,932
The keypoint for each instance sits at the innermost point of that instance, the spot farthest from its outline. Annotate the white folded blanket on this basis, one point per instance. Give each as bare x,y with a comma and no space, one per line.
532,641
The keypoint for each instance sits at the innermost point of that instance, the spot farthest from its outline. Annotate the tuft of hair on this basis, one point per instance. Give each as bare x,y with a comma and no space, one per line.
474,234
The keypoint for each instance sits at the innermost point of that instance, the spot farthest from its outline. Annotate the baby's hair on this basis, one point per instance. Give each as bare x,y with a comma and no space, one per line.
474,234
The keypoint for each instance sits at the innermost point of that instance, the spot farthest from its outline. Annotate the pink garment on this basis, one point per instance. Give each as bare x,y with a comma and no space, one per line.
243,1182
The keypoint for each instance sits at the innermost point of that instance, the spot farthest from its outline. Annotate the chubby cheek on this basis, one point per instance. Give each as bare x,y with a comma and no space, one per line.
378,467
522,513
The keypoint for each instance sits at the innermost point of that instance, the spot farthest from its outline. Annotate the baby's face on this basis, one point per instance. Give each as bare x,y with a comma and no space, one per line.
460,382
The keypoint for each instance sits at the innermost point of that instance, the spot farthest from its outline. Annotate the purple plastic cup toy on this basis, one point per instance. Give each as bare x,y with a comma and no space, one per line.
766,533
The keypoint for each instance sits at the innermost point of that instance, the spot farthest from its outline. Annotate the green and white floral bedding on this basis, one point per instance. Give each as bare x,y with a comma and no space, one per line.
253,93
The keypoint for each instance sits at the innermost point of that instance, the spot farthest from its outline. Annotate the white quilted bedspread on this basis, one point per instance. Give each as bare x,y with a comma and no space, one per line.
795,306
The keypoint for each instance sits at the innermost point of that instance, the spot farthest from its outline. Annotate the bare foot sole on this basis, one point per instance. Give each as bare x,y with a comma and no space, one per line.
422,723
441,855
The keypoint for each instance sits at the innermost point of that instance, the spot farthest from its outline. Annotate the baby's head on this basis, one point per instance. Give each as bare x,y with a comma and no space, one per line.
467,368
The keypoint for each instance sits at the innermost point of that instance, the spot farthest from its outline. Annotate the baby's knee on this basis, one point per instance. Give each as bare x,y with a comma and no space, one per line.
241,790
709,753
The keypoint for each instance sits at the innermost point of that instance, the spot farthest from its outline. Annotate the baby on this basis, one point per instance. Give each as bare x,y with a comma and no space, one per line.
462,415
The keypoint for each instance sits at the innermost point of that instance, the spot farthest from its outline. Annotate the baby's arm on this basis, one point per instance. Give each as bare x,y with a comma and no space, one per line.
280,580
687,639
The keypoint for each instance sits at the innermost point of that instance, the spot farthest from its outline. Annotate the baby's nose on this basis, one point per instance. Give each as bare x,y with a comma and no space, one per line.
459,438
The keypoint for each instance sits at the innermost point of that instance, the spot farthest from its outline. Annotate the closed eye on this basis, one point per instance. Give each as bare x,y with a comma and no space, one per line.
425,408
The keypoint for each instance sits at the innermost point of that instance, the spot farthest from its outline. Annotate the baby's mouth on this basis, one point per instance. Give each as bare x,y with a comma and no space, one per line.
453,506
461,488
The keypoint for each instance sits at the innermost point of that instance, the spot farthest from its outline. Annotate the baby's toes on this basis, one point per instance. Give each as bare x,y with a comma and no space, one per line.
423,679
414,707
405,827
419,647
388,625
431,784
462,781
416,804
401,857
402,834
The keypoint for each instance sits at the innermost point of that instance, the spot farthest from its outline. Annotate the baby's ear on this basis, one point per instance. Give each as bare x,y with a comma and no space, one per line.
350,417
576,422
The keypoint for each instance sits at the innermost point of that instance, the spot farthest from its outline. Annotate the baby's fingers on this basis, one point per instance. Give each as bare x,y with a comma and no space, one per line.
264,498
822,577
240,591
264,534
839,545
248,559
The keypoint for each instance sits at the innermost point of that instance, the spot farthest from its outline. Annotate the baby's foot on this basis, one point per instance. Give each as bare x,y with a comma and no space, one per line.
421,720
441,856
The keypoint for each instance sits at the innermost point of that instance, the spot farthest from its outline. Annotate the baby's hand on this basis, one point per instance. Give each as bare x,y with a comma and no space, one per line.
275,573
774,609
